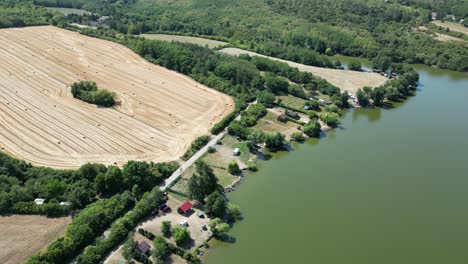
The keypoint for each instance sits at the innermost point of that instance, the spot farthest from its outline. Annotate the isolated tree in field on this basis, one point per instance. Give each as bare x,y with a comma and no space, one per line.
181,235
166,228
233,168
89,92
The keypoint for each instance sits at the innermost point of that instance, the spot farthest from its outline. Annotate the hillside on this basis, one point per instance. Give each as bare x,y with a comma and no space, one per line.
160,111
294,29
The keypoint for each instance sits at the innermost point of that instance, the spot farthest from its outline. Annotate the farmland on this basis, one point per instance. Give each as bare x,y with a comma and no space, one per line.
24,235
159,112
186,39
346,80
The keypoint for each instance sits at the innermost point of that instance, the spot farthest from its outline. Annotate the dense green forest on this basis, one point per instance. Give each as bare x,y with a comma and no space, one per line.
21,183
297,30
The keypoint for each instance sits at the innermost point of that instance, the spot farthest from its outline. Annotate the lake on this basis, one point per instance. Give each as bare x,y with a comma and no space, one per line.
388,186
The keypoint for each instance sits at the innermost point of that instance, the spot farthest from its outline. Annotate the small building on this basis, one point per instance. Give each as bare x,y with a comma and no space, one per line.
65,203
307,107
236,152
39,201
282,118
185,207
143,247
292,114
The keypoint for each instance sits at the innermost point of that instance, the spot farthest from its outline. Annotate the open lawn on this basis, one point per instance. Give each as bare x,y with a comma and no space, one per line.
159,112
452,26
68,11
24,235
270,124
292,101
346,80
186,39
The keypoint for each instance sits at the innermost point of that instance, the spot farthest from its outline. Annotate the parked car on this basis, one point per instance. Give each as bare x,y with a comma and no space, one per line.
166,209
184,222
162,206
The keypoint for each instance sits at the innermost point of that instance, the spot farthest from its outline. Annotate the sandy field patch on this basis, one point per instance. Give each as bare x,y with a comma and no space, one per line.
160,113
346,80
452,26
24,235
194,40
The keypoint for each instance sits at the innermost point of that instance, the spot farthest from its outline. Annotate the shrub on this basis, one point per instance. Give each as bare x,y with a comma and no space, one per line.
331,119
196,145
166,228
233,168
211,150
297,136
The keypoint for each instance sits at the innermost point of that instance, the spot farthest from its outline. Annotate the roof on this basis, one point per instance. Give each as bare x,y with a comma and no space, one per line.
236,150
185,207
143,246
292,113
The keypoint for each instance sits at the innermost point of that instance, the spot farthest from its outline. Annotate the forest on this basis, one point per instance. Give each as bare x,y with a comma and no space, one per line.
297,30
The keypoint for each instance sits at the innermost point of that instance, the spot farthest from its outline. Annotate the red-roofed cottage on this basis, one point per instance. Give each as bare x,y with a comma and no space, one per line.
185,207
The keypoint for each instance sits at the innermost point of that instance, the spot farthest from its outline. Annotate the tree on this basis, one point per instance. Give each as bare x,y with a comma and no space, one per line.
392,93
330,119
110,182
218,228
377,95
181,235
275,141
313,105
166,228
216,204
381,62
362,98
233,168
275,84
161,248
90,170
128,250
203,183
354,66
266,98
312,129
233,212
254,138
139,173
297,136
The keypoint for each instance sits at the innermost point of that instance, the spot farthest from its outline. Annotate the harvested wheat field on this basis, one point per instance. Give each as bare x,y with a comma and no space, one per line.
186,39
24,235
346,80
160,113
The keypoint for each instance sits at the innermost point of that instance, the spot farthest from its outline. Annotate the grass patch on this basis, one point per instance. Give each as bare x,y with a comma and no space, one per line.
245,154
224,177
293,102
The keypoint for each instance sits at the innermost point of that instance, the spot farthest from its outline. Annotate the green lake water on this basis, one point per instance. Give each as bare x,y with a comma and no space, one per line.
389,186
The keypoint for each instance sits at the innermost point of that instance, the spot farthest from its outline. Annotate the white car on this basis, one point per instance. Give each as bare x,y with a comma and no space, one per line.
184,222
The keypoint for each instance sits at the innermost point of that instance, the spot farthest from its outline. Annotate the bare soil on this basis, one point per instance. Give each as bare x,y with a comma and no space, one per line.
24,235
186,39
346,80
452,26
160,112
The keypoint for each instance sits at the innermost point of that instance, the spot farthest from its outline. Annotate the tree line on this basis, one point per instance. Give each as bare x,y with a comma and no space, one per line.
21,183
